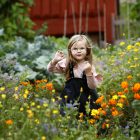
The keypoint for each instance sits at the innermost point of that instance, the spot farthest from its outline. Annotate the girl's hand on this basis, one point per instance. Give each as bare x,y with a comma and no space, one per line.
99,77
58,56
86,66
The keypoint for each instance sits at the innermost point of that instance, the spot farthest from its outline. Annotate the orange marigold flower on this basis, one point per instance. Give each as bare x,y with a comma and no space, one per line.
104,125
126,90
120,93
49,86
96,117
137,96
38,81
45,80
103,112
25,83
124,84
112,102
99,100
9,122
92,121
136,87
113,108
115,113
122,100
43,87
104,105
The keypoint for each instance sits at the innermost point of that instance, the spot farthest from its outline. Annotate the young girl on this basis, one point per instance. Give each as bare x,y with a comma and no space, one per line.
81,77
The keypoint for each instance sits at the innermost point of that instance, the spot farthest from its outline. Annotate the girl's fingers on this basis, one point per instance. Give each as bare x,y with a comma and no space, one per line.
60,52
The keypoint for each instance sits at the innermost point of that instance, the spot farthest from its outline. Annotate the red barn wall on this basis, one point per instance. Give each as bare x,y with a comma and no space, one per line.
53,13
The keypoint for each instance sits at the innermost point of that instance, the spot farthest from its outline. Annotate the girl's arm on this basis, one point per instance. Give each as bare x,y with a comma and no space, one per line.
93,79
56,67
57,64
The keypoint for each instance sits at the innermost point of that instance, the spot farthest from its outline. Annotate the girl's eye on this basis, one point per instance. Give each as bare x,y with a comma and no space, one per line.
82,48
75,49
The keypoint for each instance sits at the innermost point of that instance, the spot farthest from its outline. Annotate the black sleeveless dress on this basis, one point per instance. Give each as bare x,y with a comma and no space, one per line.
77,90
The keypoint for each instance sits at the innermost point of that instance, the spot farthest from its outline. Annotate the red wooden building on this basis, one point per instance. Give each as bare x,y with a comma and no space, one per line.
68,17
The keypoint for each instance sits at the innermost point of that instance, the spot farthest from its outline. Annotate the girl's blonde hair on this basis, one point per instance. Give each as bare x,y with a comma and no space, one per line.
70,60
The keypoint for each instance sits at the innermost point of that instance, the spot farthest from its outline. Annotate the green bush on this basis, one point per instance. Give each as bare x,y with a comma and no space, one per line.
15,19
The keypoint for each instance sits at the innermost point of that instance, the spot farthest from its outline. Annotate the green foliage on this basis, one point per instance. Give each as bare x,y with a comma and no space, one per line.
21,56
15,20
129,11
135,10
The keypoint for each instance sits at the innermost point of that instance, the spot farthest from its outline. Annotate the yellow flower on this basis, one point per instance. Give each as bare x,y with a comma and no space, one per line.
132,66
92,121
115,97
135,58
45,104
21,109
55,111
94,112
65,96
43,138
137,44
81,115
129,77
30,113
32,103
120,105
53,100
26,92
2,88
122,43
53,91
3,96
16,88
136,50
38,106
129,47
37,121
107,125
123,96
25,96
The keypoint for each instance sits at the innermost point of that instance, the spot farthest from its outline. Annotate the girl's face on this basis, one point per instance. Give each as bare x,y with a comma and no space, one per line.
79,50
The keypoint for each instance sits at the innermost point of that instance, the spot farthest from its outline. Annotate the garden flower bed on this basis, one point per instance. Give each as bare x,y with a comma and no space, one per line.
30,108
